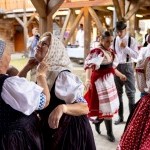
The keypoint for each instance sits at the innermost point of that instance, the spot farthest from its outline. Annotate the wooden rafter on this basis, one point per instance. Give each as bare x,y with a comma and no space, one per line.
128,7
134,10
87,4
118,9
53,5
19,20
31,18
76,22
101,9
40,7
96,19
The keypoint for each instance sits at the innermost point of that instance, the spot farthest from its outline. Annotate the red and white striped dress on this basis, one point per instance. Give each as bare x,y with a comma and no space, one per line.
102,96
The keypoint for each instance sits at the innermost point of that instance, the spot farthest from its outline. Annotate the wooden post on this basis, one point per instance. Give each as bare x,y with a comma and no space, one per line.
42,25
25,30
117,9
122,6
132,23
65,24
96,19
70,24
75,24
49,23
87,31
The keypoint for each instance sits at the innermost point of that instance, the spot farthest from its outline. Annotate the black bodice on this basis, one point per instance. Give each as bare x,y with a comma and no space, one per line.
8,115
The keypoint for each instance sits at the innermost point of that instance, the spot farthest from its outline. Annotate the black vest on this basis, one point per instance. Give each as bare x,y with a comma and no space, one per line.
8,115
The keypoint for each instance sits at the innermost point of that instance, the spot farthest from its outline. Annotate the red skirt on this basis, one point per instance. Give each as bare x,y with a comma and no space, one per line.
91,95
137,133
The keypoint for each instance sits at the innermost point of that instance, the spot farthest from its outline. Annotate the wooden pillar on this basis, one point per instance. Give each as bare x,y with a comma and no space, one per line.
122,6
25,30
87,31
132,23
70,24
136,22
49,23
42,25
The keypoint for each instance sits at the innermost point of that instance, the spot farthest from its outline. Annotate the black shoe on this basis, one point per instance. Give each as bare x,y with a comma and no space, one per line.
97,125
111,137
120,120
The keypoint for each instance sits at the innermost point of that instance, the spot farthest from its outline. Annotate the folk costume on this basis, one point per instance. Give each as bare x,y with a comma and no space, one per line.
102,97
126,57
74,132
137,130
19,125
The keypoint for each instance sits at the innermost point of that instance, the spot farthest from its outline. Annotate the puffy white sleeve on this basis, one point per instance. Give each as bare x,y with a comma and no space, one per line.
93,60
69,88
23,95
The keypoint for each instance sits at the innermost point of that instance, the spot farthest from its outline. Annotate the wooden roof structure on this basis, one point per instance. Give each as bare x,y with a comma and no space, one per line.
24,11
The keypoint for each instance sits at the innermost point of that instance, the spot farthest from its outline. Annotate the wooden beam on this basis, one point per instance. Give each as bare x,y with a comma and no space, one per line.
132,23
128,7
31,18
65,25
122,6
147,3
40,7
96,19
87,32
53,6
49,23
69,26
117,9
101,9
19,20
87,4
134,10
42,25
76,22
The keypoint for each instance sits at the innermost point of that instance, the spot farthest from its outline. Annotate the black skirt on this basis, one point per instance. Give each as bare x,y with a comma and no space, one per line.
23,134
73,133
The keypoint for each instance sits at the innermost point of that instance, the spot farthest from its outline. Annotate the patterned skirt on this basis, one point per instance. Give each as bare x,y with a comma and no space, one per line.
102,97
137,132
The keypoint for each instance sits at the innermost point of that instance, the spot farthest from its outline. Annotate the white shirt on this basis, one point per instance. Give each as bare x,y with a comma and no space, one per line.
69,88
22,95
80,37
144,53
132,51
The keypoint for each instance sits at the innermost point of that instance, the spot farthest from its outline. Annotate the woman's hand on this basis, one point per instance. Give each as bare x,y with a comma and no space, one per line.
55,116
42,68
87,84
32,62
123,78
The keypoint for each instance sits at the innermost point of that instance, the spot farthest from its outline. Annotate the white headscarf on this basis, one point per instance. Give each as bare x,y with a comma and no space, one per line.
57,60
57,57
2,47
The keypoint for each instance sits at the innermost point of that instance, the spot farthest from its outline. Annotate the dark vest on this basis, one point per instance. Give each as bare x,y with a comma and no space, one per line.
8,115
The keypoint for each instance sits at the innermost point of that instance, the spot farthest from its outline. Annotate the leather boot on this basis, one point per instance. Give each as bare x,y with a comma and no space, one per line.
120,113
97,124
108,124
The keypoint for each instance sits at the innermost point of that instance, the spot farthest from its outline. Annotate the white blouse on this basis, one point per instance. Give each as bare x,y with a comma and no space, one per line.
69,88
132,51
23,95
